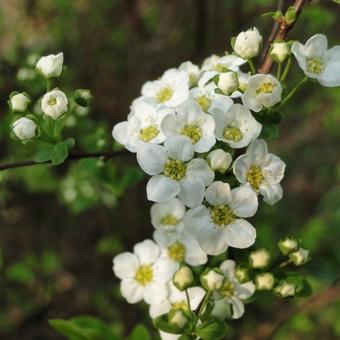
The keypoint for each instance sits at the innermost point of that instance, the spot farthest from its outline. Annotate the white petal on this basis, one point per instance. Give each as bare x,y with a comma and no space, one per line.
228,269
238,307
161,188
316,46
218,193
241,167
196,295
164,270
172,125
197,219
273,169
240,234
297,50
131,290
146,251
205,144
125,265
271,192
244,202
213,241
119,133
245,290
168,336
194,255
206,77
179,147
151,158
198,168
250,101
159,309
155,293
257,151
331,75
192,191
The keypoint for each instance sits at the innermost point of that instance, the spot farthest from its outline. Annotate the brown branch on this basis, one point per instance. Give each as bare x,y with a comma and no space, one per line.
73,156
281,33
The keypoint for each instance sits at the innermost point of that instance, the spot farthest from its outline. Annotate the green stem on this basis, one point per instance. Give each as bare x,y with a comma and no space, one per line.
284,264
279,70
252,66
48,85
188,299
203,305
286,70
293,91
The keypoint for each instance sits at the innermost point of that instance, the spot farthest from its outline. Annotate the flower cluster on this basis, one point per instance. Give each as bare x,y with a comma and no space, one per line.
198,132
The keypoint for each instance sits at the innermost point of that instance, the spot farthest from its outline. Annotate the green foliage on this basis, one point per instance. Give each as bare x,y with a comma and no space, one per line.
211,330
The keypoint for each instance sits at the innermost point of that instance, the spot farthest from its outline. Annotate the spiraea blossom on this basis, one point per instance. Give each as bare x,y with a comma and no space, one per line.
192,122
220,221
51,65
174,171
260,170
24,128
229,298
317,61
247,44
144,275
54,104
171,90
192,70
236,126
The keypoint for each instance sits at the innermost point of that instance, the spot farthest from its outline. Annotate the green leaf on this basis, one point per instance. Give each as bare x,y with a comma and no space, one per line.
302,286
270,131
59,153
20,272
43,155
139,333
186,337
69,329
162,323
212,330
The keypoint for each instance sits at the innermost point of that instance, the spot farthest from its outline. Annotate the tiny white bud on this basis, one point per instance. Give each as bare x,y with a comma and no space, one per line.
247,44
279,51
183,278
51,65
54,104
264,281
178,318
285,289
212,279
228,82
259,258
300,256
288,245
242,274
19,102
219,160
24,128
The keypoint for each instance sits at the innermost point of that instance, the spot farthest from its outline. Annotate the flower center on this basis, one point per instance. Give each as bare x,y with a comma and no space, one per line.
204,102
315,65
144,275
265,87
170,220
177,252
243,87
174,169
148,133
164,94
180,305
193,132
220,68
221,215
232,133
227,289
52,101
255,176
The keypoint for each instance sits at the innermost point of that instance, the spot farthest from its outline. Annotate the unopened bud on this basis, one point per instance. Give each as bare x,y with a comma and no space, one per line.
219,160
279,51
259,258
83,97
212,279
242,274
288,245
227,82
285,289
264,281
178,318
183,278
19,102
300,256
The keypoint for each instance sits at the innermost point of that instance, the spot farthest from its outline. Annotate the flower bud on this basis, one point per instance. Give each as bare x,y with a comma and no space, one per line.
228,82
54,104
183,278
300,256
212,279
259,258
19,102
288,245
285,289
247,44
178,318
279,51
219,160
83,97
24,128
242,274
264,281
290,15
50,66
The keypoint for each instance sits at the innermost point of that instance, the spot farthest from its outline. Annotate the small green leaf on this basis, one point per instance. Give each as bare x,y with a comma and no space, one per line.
212,330
162,323
270,131
69,329
43,155
139,333
20,272
59,153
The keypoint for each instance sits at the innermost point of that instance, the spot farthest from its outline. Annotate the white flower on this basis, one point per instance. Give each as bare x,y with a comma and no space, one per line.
285,289
174,172
232,293
317,61
219,160
259,258
263,90
300,256
215,65
171,90
279,51
228,82
192,70
51,65
19,102
179,246
208,100
261,170
192,122
247,44
177,300
144,275
143,126
168,216
220,222
236,126
54,104
24,128
264,281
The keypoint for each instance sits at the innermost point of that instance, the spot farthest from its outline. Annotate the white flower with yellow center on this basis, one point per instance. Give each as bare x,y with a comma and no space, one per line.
144,275
215,65
236,126
263,91
54,104
174,172
171,90
220,221
192,70
260,170
231,294
143,126
192,122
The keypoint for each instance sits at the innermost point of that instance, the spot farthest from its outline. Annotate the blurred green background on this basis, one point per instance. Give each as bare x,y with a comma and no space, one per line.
60,227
